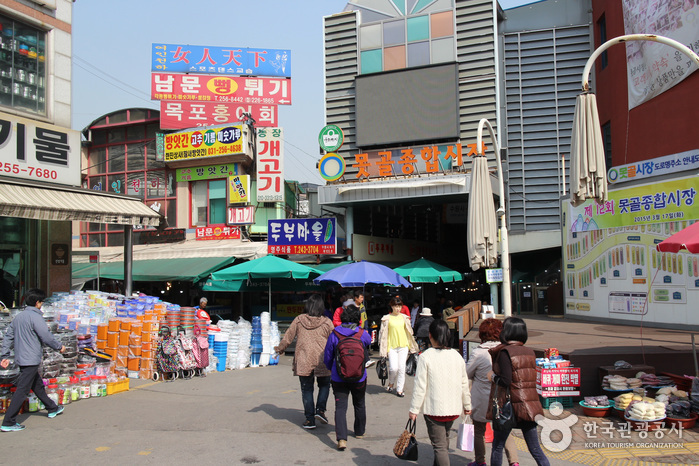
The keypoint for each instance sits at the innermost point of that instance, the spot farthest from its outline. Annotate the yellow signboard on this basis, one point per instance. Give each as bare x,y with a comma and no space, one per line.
238,189
204,142
289,310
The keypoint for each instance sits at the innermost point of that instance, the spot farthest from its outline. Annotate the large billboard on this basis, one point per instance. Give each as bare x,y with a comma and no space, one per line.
270,165
183,115
302,236
181,58
38,151
208,142
240,90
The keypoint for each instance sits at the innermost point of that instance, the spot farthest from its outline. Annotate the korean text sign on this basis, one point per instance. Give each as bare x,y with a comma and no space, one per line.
241,215
302,236
270,165
221,60
237,90
209,142
183,115
665,165
39,151
651,203
208,172
217,232
238,189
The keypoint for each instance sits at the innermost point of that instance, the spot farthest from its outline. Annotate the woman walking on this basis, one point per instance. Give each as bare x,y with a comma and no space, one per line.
441,390
342,389
422,328
311,330
514,369
477,368
395,341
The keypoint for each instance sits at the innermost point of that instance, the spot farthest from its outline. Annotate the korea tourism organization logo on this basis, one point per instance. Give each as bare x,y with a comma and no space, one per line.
558,428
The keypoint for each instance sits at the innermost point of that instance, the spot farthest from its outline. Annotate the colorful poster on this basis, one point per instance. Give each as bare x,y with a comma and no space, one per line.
217,232
238,189
270,165
183,115
651,203
302,236
181,58
238,90
38,151
652,67
208,142
208,172
665,165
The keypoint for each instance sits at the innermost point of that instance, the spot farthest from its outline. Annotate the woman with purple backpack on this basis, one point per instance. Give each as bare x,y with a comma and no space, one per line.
348,373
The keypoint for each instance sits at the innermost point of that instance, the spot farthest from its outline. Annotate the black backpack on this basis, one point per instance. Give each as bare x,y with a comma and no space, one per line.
350,356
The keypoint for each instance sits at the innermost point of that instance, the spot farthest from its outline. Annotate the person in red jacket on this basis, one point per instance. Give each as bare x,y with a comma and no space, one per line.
345,300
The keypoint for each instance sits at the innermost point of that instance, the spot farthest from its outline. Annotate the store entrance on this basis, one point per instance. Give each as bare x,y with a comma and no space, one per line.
12,276
525,298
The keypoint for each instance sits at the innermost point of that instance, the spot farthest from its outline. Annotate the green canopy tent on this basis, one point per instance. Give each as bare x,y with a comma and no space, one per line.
158,270
426,271
268,267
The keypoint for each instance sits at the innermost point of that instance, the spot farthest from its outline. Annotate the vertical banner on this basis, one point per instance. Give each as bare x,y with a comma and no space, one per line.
652,67
270,165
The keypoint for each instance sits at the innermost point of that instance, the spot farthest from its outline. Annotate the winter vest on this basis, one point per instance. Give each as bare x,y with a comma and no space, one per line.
525,399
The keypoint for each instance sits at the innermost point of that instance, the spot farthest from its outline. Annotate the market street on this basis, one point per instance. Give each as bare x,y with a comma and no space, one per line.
235,417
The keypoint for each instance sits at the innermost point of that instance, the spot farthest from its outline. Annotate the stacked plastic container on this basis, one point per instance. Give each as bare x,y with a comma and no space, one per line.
244,348
221,349
265,319
256,341
274,340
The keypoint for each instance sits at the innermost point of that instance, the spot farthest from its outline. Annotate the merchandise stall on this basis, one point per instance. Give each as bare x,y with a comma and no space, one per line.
556,379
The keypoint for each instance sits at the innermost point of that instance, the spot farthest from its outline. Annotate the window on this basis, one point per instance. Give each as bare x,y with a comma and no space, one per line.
607,141
602,26
122,160
22,66
209,202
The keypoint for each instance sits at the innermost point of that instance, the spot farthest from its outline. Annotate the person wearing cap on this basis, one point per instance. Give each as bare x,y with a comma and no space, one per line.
27,334
422,328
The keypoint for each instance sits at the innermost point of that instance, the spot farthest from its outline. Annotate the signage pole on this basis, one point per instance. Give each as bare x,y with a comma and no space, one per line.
128,260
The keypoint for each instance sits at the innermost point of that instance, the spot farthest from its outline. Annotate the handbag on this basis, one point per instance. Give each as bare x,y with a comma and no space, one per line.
411,364
406,445
464,439
503,416
382,370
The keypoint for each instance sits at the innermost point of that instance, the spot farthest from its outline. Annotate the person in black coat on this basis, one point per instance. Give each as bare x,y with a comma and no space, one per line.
422,328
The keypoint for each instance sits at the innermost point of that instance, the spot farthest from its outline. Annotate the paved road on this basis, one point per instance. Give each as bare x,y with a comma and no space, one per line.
251,416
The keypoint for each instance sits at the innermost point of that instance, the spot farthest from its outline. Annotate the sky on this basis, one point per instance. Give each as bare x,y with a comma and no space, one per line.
112,56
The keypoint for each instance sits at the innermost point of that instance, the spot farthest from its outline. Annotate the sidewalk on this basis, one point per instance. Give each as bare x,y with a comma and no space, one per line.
608,441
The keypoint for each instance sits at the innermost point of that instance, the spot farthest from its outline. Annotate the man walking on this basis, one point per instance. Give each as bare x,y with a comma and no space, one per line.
27,333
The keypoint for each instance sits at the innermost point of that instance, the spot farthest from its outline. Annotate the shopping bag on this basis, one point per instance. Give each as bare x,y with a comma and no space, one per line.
406,445
464,439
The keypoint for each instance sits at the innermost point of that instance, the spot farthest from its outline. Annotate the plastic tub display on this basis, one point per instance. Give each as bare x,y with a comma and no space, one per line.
596,411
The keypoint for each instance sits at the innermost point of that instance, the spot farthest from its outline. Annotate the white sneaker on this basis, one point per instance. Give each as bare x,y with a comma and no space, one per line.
370,363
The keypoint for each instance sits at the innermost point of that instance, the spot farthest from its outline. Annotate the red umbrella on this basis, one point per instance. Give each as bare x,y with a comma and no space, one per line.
685,239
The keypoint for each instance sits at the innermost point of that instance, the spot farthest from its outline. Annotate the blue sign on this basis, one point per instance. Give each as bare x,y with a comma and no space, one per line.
174,58
302,236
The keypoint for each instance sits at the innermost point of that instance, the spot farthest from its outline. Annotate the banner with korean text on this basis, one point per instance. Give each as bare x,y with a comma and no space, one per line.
183,115
652,67
239,90
302,236
239,189
208,142
270,165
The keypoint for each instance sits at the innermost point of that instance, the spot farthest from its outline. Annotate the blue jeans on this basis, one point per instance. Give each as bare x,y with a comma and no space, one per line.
309,408
531,436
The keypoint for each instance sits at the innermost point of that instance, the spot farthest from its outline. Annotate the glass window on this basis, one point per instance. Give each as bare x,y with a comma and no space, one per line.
371,61
151,130
442,24
115,183
156,184
22,67
115,239
119,117
97,183
116,135
419,54
99,137
200,211
135,133
418,28
97,161
136,184
443,50
394,58
138,115
136,156
394,33
370,37
209,202
151,154
116,159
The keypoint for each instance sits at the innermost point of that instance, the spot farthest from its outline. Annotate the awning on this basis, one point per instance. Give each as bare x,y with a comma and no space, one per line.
25,199
158,270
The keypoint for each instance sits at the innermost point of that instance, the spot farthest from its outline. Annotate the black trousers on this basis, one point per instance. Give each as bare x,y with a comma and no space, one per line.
29,379
342,391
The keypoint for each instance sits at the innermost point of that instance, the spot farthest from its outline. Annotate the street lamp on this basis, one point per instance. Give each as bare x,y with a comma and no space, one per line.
504,242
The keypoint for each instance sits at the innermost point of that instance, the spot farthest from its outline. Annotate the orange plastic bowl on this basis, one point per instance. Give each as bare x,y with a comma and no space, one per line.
683,423
596,411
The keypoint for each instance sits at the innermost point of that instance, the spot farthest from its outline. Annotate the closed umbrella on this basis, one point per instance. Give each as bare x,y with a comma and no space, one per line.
481,236
363,272
268,267
426,271
687,238
588,176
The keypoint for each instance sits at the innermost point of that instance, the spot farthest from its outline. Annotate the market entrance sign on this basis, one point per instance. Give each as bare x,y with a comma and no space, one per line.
331,138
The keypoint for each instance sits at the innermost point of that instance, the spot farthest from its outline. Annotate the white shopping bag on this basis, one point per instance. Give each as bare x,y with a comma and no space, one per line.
464,439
